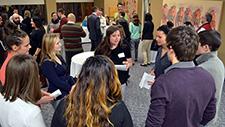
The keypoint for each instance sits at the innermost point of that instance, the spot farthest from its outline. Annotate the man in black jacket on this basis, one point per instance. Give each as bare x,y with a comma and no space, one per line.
93,25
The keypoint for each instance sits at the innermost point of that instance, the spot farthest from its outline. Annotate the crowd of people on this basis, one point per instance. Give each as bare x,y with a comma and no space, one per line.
186,91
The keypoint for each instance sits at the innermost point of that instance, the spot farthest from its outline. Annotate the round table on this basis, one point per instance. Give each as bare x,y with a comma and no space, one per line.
77,61
86,39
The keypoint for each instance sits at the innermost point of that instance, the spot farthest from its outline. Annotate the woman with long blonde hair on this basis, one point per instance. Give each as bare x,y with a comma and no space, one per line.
95,100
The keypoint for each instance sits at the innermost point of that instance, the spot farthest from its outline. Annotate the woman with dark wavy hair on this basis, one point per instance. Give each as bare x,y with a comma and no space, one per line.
120,54
36,37
95,100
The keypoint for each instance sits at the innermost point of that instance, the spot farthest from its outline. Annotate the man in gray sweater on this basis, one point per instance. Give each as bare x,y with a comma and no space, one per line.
210,41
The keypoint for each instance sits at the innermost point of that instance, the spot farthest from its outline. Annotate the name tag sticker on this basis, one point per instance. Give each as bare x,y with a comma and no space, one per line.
121,55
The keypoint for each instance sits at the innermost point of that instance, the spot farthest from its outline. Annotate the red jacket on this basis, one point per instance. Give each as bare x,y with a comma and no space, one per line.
205,26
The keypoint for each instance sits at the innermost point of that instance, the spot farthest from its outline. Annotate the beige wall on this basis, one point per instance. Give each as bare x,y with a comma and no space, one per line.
156,6
108,4
222,32
50,7
111,5
140,10
99,3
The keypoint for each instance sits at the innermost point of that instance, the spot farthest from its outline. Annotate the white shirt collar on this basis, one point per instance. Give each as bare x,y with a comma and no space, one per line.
71,22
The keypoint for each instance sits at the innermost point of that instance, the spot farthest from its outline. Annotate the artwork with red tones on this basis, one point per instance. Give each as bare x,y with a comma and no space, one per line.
179,12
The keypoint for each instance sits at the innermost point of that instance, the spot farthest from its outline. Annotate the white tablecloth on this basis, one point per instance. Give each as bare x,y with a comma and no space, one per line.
77,62
85,39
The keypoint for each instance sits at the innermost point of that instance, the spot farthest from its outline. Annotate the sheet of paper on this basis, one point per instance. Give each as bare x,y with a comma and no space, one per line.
56,93
144,80
121,67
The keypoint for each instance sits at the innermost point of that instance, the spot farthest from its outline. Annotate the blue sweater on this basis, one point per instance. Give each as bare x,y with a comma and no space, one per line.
57,76
161,63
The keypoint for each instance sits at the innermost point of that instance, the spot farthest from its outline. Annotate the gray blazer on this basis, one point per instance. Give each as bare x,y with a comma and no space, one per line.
211,63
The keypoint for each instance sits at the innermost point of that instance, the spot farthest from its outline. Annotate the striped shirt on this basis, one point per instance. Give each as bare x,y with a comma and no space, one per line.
72,34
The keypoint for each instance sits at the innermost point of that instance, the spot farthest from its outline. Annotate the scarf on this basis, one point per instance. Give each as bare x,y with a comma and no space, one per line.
55,21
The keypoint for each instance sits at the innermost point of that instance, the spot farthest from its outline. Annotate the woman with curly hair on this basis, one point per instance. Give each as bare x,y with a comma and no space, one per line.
95,100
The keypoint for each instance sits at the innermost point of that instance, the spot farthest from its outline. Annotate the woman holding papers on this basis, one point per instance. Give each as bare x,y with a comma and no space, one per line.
53,67
20,94
162,60
120,55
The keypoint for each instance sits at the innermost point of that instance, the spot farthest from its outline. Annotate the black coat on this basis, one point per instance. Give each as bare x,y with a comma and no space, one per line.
93,25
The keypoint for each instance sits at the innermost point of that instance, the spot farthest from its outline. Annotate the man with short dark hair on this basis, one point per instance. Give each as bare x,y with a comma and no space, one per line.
93,25
124,23
63,20
185,95
210,41
120,8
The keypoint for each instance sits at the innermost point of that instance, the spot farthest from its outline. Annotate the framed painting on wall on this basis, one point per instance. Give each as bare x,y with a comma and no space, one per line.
181,11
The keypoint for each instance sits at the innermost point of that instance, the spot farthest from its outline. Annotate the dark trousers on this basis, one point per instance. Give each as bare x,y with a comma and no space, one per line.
94,44
69,55
134,48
